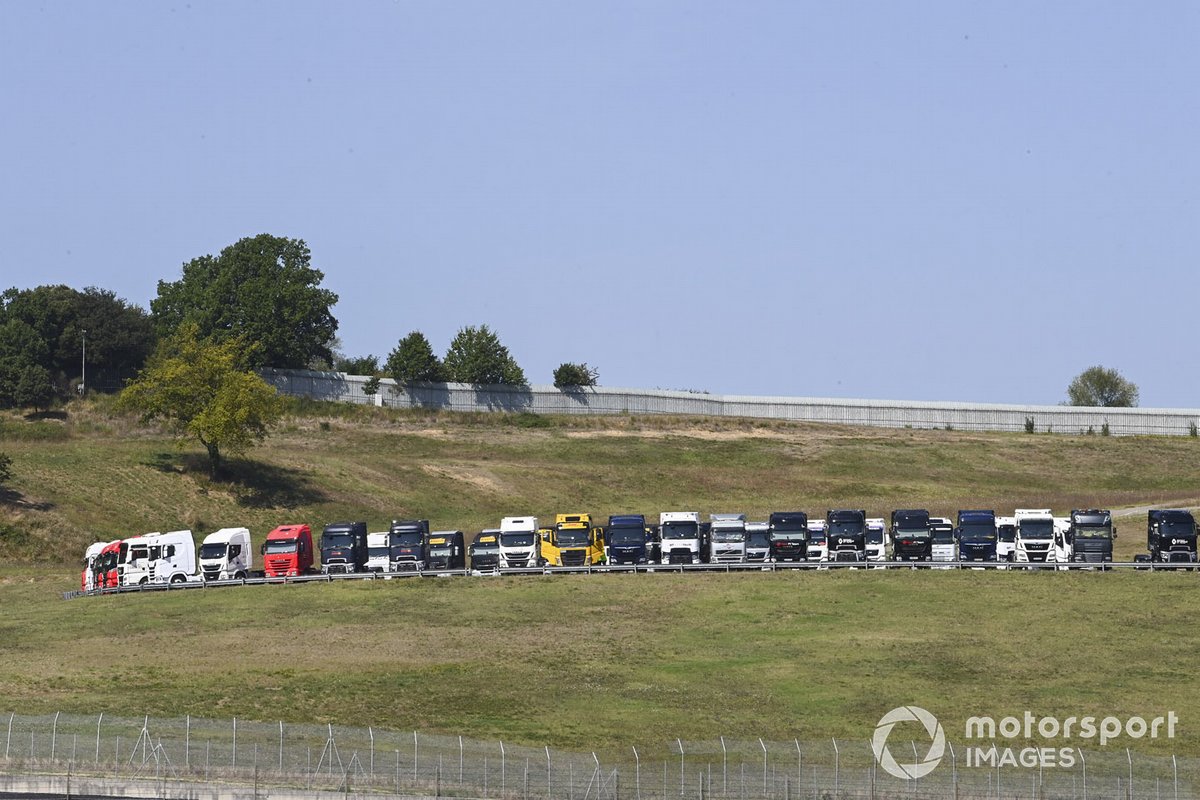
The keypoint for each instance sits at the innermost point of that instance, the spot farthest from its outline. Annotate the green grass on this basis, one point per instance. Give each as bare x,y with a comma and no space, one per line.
596,662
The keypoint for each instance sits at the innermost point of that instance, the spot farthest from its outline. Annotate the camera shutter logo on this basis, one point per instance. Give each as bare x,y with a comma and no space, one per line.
879,742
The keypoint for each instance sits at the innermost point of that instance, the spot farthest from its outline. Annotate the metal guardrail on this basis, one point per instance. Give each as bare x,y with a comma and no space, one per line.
605,569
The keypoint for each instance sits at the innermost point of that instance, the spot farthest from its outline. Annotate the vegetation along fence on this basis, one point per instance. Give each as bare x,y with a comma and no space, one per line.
175,756
603,400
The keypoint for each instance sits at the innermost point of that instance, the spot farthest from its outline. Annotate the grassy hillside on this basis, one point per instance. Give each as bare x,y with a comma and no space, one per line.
586,661
95,475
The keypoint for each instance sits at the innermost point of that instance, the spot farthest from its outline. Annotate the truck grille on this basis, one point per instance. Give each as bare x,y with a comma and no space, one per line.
573,558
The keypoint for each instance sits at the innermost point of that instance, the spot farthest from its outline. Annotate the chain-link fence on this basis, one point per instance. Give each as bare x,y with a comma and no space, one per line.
178,753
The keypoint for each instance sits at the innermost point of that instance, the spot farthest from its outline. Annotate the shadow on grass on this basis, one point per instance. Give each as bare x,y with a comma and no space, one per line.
255,484
34,416
14,499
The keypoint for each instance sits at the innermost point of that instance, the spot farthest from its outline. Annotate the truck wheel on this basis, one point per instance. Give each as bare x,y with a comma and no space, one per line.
239,576
143,581
177,579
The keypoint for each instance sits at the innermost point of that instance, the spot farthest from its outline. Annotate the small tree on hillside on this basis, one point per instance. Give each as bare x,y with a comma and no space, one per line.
570,376
477,356
204,389
5,469
413,360
1097,386
35,388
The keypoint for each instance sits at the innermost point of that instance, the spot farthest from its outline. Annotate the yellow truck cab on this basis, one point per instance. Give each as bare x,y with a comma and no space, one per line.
572,542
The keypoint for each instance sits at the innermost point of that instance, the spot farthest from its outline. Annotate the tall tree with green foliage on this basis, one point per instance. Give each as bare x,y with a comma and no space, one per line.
1098,386
262,288
21,348
476,356
205,389
573,376
413,360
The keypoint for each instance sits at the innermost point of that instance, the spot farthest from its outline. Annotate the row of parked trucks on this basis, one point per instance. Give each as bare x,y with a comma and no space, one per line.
1028,537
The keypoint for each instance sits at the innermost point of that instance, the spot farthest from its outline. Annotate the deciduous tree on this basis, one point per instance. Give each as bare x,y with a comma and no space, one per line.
261,288
477,356
1098,386
413,360
206,391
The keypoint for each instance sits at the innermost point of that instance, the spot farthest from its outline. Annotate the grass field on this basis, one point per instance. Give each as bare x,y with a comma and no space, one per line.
587,661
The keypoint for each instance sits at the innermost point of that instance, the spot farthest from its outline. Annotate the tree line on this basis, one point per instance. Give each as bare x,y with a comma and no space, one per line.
56,341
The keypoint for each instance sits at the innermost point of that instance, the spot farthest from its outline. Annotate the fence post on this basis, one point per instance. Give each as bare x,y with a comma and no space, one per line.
8,741
502,765
1129,756
680,743
235,742
1083,761
54,735
460,760
954,764
547,771
764,749
799,766
281,745
837,767
371,733
637,774
98,721
724,768
187,742
1175,769
414,756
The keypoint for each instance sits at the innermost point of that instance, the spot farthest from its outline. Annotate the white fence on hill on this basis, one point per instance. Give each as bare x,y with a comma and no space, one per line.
542,399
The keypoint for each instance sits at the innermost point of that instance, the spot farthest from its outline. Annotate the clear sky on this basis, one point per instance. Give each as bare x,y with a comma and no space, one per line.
896,200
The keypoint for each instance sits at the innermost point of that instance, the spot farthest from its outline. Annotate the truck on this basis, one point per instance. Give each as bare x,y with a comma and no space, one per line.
911,537
818,541
108,574
87,580
1091,535
789,535
846,530
379,555
444,551
1034,542
406,541
878,540
288,551
485,552
683,541
626,540
344,548
1171,536
1006,539
727,538
520,544
226,555
944,545
976,535
1063,551
758,542
160,558
573,542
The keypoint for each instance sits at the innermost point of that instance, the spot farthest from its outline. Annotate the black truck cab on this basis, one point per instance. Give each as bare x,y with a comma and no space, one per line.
789,535
911,538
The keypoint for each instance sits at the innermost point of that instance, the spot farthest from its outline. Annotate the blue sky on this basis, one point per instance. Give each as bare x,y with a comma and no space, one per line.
926,201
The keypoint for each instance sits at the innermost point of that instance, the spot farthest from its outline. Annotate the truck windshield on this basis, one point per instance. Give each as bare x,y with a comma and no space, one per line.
337,540
377,552
845,528
413,539
758,539
1089,532
212,551
874,536
913,533
679,530
728,535
789,536
943,536
817,537
488,548
977,532
626,536
519,539
1176,529
280,546
1007,533
576,537
1037,528
440,550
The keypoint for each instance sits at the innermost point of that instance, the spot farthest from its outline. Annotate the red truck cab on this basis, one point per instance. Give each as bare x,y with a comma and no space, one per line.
288,551
107,574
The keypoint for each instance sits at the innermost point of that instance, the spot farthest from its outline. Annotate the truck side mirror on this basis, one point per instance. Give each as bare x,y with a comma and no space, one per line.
1114,531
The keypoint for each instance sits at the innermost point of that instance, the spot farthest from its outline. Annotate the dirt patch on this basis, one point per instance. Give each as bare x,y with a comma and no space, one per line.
472,476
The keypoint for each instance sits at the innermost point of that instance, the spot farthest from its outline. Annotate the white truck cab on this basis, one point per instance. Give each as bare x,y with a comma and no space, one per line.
1064,551
944,547
88,581
379,554
226,555
520,544
727,538
818,543
160,558
758,542
679,532
879,541
1006,540
1035,536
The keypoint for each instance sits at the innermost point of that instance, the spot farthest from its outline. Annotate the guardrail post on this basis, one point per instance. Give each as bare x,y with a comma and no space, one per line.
54,735
8,741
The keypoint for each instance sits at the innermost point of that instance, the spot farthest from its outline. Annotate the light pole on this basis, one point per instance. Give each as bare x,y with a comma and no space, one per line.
83,368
